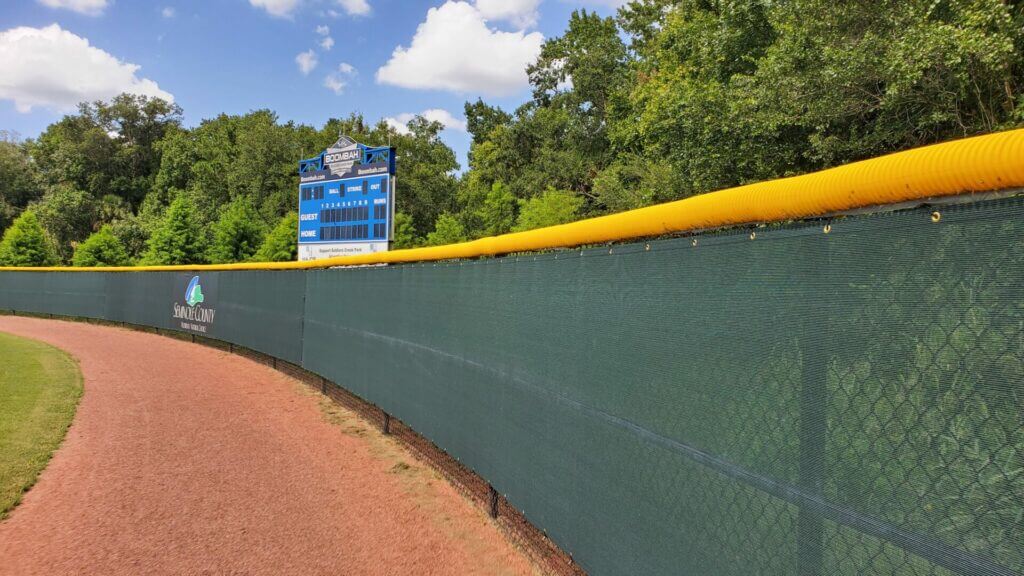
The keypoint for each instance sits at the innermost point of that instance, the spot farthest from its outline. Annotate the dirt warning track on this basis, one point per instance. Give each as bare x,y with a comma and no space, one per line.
183,459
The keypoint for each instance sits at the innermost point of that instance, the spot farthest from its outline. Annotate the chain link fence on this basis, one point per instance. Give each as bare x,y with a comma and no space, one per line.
836,397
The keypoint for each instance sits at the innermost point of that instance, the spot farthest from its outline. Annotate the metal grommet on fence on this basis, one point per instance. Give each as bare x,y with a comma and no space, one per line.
609,250
647,247
694,242
753,235
827,228
936,216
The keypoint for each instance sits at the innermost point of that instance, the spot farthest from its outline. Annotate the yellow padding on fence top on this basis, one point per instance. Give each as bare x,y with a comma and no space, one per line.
981,164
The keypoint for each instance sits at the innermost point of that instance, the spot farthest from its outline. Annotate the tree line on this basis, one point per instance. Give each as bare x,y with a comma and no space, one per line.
667,99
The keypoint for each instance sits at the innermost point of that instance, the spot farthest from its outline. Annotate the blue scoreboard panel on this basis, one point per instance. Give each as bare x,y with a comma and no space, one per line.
346,201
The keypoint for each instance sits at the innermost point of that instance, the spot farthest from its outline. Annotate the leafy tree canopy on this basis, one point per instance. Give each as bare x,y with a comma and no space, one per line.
25,243
19,181
238,233
447,230
103,248
68,214
551,208
405,232
281,244
179,238
668,99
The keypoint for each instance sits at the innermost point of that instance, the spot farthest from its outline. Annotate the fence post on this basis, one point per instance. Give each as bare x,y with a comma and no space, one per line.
323,385
814,354
387,422
494,501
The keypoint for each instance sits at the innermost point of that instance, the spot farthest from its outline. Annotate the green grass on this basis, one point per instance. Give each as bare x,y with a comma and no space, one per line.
39,391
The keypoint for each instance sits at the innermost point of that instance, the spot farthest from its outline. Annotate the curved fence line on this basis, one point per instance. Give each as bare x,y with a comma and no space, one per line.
980,164
810,399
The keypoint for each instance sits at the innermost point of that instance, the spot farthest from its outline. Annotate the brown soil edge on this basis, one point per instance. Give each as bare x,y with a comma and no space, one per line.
512,523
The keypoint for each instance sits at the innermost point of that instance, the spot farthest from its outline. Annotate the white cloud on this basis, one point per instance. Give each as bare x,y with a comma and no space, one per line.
522,13
337,81
400,123
335,84
397,126
455,50
168,12
54,68
306,61
326,42
279,8
355,7
87,7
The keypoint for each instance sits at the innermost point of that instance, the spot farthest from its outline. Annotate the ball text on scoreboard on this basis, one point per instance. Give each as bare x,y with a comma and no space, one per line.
346,200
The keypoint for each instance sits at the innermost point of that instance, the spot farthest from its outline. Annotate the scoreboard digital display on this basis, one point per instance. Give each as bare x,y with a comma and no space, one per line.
346,201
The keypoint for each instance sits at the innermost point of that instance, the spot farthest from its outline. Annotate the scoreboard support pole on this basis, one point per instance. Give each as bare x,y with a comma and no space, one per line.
392,195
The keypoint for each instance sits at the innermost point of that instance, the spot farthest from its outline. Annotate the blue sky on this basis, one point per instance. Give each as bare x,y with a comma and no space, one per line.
308,60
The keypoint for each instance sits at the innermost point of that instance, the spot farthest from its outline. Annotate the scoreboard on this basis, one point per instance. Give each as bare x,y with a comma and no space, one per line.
346,201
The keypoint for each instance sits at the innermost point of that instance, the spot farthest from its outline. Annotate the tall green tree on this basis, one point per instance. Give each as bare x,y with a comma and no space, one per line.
670,98
405,232
25,243
551,208
447,230
107,147
733,92
633,181
281,244
179,238
426,182
498,213
482,119
103,248
585,67
559,138
69,215
133,234
238,234
229,157
256,157
19,179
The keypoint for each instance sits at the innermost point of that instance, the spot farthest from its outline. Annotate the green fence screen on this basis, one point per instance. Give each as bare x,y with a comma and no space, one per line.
790,402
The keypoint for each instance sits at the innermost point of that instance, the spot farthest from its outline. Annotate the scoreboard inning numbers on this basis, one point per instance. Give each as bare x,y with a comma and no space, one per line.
346,201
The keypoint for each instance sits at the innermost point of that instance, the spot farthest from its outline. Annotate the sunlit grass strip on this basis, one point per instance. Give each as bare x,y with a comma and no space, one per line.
39,391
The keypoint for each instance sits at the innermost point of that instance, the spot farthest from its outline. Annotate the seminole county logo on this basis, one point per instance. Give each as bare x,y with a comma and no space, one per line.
197,312
194,292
